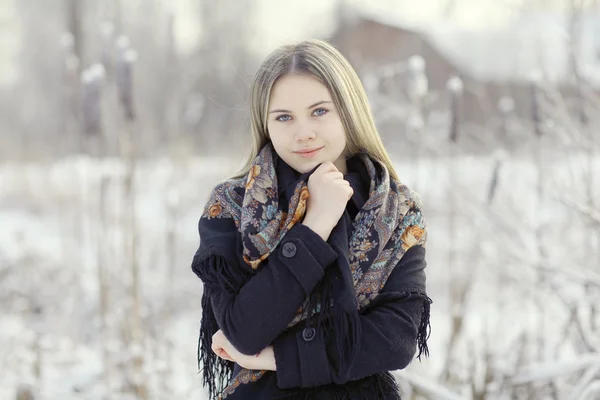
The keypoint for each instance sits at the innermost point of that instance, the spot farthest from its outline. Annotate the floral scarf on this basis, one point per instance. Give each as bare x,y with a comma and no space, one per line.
389,223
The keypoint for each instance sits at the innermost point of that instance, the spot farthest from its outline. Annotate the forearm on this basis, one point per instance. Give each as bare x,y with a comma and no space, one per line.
388,340
389,330
253,313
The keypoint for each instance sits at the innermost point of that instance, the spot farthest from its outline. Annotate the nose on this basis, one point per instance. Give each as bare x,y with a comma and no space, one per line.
304,132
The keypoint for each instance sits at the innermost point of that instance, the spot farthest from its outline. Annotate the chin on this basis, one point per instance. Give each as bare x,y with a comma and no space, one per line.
304,168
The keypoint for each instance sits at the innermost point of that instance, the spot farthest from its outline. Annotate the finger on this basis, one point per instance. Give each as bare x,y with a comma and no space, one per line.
217,341
342,183
326,167
334,175
219,337
223,354
219,351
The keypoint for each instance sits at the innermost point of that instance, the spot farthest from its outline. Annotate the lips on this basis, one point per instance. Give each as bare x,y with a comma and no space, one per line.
307,153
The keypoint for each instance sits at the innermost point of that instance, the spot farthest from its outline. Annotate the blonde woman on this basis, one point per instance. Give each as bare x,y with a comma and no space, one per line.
312,259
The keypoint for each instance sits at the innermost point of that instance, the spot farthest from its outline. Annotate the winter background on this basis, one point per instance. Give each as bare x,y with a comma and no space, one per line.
118,116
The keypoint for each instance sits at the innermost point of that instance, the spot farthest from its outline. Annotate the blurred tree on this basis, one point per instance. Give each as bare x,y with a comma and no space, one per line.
226,68
74,19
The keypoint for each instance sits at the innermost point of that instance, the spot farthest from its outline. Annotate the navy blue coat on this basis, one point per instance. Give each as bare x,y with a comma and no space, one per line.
254,308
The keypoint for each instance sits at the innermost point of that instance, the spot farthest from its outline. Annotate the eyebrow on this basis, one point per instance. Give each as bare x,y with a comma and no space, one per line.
318,103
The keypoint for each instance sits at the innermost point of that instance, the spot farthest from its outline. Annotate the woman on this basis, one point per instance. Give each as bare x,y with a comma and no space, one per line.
313,257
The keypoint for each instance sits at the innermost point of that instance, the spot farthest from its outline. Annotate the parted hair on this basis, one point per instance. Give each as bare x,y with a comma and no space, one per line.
325,63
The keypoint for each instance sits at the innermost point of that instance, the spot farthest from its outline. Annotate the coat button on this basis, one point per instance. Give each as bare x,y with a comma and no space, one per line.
308,334
289,250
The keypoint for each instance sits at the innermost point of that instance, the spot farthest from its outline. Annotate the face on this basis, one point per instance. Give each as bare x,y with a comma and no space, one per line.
304,124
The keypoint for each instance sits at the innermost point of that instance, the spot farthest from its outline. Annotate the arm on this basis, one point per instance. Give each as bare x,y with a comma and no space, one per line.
252,309
391,326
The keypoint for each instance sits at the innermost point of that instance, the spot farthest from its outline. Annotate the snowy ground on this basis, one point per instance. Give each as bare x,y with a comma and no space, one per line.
53,237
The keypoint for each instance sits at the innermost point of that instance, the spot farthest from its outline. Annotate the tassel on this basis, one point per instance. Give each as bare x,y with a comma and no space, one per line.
343,326
424,330
332,308
318,306
345,331
214,273
216,372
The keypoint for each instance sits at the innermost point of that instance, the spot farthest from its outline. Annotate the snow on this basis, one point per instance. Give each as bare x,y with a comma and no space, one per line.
53,238
543,371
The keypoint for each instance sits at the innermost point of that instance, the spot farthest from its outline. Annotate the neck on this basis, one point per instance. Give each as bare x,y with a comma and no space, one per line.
340,164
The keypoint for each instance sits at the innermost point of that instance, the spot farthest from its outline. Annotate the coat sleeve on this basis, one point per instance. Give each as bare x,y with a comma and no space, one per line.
252,309
391,327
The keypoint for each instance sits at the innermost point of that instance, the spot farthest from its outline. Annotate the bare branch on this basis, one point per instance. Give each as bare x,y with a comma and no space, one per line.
426,386
554,369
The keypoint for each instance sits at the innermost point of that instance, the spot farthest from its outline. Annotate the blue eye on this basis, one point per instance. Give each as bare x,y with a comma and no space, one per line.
320,111
283,118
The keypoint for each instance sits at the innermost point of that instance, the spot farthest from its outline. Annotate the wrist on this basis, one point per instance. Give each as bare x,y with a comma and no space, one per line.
269,355
265,360
317,227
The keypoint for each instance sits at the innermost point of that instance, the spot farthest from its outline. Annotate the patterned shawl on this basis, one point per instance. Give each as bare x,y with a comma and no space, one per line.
389,223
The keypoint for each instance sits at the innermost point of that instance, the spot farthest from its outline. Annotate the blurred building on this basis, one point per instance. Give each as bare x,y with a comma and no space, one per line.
494,64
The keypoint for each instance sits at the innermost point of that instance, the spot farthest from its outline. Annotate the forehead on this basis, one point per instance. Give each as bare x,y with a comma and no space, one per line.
301,90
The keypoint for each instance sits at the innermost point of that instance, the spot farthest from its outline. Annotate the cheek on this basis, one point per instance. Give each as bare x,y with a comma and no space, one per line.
333,124
276,137
271,133
336,132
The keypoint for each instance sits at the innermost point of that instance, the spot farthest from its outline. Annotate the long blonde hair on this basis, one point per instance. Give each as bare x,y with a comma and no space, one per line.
325,63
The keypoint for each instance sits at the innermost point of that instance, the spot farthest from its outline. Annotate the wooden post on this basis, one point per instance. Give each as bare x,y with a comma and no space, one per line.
173,203
538,128
124,78
506,106
457,288
92,80
70,92
493,186
102,269
417,89
74,17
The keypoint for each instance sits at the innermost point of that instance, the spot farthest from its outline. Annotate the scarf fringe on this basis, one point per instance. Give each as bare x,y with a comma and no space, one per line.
216,372
316,312
346,331
344,326
424,330
214,271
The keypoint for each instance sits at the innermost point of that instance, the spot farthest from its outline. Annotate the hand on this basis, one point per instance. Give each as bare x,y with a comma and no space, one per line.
265,360
329,195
